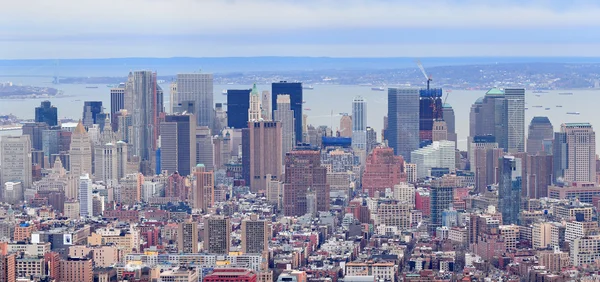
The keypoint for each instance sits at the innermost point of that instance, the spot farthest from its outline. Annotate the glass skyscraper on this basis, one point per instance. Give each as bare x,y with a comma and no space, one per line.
46,113
509,189
238,103
294,89
403,121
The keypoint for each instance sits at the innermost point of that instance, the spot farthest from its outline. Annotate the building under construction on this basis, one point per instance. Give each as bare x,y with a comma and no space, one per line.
430,109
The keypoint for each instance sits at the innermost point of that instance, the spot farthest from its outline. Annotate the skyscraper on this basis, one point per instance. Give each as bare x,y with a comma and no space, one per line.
403,121
430,110
383,170
85,196
294,89
450,119
539,175
442,196
285,116
204,147
265,103
371,139
142,101
203,188
106,163
238,104
91,110
255,235
439,154
509,189
46,113
198,87
541,131
15,154
478,159
34,130
359,123
346,125
178,143
581,152
187,237
255,111
515,114
117,103
80,152
217,232
265,153
173,99
303,171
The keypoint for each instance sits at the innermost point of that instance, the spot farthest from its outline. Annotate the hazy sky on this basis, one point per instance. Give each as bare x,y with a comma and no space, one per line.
347,28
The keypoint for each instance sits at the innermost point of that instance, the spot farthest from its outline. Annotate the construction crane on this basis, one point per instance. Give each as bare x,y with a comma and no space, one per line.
427,77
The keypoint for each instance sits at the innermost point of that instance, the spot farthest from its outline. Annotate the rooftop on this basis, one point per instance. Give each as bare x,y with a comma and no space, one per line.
578,124
495,91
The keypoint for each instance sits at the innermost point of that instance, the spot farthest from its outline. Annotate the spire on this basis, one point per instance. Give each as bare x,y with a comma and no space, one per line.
79,129
254,90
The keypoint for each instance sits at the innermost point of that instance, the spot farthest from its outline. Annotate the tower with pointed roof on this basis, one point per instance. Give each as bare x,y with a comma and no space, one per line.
80,152
254,112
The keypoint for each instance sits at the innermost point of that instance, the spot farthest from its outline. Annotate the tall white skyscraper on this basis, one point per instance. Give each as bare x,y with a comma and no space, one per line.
515,107
15,162
359,123
580,152
266,105
106,163
81,152
85,196
254,111
285,116
197,87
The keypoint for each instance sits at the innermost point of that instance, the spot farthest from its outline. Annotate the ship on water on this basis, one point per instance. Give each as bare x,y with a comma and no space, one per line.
539,91
572,113
565,93
92,87
381,88
307,87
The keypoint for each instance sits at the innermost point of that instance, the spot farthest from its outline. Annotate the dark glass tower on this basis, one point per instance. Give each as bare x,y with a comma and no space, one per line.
238,103
46,113
509,189
294,89
402,132
91,109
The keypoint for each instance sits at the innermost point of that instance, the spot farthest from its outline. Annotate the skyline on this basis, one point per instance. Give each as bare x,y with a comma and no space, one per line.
357,28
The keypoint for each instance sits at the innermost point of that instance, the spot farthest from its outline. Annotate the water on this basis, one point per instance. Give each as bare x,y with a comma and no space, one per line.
326,102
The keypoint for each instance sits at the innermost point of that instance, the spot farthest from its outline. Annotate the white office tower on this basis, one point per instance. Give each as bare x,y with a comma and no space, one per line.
173,99
440,155
80,153
266,105
15,164
197,87
285,116
106,163
85,196
359,123
254,111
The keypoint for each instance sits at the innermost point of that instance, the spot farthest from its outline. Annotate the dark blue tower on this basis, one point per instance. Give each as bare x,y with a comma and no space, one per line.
294,89
46,113
238,103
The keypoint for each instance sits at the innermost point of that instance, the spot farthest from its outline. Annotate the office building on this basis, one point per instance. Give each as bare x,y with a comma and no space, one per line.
143,100
238,104
35,130
294,89
450,119
440,154
85,196
204,147
584,251
217,232
488,117
371,139
540,135
15,154
515,114
46,113
91,110
173,99
220,118
265,140
303,171
539,176
285,116
198,87
402,132
106,163
359,123
439,131
265,103
383,170
81,151
187,237
509,189
12,192
255,110
345,125
430,110
479,149
117,103
255,236
577,149
178,143
441,198
203,188
76,269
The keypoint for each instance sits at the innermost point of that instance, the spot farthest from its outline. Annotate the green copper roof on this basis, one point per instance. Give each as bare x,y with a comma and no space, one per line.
446,105
254,90
495,91
200,165
577,124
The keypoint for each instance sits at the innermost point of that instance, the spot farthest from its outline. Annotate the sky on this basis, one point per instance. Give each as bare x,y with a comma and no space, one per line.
37,29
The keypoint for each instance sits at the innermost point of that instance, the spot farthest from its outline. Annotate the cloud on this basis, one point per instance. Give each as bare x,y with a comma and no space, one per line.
43,18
